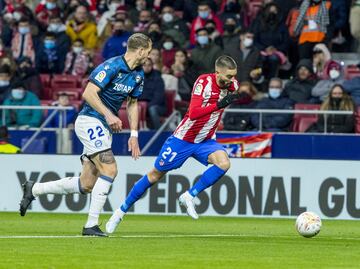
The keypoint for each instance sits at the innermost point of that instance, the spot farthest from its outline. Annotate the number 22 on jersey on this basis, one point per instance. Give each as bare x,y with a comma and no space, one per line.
99,132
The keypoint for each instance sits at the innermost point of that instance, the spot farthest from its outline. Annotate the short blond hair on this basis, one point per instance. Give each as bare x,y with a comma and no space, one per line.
138,40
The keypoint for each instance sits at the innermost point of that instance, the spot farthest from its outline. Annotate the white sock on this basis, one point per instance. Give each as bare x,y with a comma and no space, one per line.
98,199
62,186
119,213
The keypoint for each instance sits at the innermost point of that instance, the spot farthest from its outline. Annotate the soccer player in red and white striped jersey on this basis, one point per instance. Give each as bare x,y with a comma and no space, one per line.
194,137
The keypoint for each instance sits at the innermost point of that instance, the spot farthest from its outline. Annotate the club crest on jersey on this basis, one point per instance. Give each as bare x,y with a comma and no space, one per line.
98,143
138,79
198,89
100,76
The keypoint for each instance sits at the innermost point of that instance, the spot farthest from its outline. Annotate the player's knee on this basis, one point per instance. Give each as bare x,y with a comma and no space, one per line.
87,188
111,171
155,175
224,164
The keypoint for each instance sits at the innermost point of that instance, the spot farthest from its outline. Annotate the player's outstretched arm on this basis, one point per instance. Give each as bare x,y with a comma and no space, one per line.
90,95
197,111
133,116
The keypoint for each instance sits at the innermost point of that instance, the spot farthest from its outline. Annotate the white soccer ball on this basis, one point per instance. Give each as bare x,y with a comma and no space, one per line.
308,224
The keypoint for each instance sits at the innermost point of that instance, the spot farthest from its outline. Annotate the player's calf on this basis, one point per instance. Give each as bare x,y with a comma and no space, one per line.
106,165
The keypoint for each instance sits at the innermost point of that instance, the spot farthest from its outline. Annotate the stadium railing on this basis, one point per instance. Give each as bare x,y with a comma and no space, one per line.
56,109
261,112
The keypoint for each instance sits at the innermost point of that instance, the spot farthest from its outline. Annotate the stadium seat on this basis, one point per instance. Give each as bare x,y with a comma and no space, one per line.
84,82
65,81
305,123
45,80
252,7
98,58
170,101
142,114
142,107
74,93
297,117
352,71
46,93
124,118
77,104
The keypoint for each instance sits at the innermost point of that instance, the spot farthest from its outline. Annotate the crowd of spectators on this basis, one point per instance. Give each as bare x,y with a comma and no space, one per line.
283,52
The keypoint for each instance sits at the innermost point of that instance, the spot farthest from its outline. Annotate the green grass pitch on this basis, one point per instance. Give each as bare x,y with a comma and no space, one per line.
175,242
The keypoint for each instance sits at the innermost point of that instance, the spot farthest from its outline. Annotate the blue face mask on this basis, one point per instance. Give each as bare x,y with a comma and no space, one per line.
18,93
203,40
50,6
24,30
204,14
49,44
274,93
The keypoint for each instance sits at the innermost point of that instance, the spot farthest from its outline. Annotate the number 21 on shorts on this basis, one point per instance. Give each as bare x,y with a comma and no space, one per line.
169,153
99,132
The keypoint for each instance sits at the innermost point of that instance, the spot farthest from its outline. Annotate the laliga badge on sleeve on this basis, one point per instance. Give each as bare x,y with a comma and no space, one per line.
198,89
100,76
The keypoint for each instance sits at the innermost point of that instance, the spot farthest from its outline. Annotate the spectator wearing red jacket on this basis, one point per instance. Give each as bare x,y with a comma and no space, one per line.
44,10
204,14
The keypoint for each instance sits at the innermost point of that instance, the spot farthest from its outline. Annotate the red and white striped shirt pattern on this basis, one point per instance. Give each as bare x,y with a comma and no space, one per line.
202,118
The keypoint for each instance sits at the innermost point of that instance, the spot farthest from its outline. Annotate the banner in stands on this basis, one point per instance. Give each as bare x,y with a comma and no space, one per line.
247,145
252,187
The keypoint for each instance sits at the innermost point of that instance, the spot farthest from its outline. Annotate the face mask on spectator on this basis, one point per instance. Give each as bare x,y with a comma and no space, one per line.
168,17
24,30
77,50
203,40
336,101
49,44
17,16
248,42
4,83
55,27
18,93
229,28
168,45
204,14
50,6
274,93
334,74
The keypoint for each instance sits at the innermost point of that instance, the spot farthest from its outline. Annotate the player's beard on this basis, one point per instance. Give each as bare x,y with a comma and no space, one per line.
223,84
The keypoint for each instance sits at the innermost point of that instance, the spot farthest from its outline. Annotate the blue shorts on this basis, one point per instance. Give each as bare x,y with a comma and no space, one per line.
175,152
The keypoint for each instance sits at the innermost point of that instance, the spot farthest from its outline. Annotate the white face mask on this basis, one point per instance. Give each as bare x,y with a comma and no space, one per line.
168,45
77,50
18,93
334,74
4,83
168,17
247,42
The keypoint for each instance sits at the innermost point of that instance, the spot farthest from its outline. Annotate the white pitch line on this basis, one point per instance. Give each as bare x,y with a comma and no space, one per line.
168,236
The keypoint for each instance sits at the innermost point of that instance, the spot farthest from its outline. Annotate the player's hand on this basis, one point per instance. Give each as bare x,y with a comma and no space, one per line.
114,122
228,99
133,145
